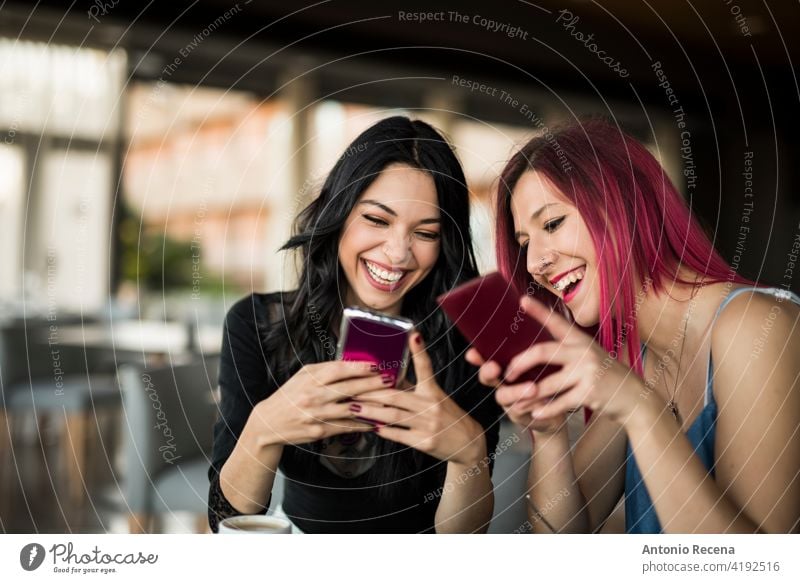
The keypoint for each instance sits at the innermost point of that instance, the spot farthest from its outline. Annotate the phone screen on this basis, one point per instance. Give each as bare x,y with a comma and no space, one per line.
382,340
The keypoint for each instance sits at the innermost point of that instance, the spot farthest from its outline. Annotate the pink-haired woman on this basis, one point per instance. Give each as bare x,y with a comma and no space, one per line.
692,373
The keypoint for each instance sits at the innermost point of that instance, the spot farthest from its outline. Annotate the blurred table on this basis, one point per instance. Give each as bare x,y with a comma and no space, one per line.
147,337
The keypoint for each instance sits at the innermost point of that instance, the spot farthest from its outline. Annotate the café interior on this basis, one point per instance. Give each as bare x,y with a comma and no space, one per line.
150,165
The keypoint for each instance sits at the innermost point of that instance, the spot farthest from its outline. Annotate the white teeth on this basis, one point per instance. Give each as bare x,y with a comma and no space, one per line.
383,276
562,283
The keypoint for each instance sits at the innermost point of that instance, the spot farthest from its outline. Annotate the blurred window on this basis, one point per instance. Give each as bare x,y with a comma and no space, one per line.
12,198
59,117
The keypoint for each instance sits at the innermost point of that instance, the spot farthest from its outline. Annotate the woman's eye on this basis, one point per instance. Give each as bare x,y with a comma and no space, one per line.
376,220
428,235
551,226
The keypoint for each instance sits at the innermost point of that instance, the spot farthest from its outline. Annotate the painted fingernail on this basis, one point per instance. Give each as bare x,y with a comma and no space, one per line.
375,429
387,379
355,407
418,339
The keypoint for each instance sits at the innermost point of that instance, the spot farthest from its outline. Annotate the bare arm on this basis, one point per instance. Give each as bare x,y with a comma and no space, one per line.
556,501
600,465
576,491
467,498
757,441
569,491
246,478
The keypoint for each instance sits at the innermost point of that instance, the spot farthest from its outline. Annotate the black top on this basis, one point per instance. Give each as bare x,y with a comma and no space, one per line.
328,494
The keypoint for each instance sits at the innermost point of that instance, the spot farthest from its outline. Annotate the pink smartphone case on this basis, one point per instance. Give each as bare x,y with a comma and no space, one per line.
376,338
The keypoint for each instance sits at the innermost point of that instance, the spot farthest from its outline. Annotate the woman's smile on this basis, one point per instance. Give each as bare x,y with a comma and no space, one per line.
382,276
568,283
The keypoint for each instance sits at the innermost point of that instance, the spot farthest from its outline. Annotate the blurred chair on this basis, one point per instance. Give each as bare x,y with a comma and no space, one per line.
170,413
40,377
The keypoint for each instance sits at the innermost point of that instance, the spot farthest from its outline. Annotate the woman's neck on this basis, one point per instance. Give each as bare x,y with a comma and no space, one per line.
672,320
351,299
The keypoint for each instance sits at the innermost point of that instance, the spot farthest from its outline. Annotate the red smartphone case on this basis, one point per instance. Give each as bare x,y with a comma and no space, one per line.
487,312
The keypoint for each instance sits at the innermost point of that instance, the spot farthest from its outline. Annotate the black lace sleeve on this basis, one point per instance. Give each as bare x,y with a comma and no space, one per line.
218,506
244,380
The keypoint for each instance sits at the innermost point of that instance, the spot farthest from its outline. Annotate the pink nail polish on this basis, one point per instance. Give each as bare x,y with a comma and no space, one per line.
355,407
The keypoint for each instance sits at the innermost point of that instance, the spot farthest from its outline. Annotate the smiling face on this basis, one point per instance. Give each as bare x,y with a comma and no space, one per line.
559,252
390,240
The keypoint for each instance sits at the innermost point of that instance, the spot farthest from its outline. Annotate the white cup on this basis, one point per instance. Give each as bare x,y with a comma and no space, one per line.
255,524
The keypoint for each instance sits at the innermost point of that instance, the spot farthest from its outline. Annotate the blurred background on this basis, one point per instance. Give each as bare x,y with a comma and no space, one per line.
152,160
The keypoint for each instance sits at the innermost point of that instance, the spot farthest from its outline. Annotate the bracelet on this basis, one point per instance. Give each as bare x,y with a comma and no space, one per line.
539,515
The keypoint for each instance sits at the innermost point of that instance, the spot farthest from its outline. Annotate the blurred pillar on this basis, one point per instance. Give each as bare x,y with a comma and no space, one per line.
120,148
34,267
297,94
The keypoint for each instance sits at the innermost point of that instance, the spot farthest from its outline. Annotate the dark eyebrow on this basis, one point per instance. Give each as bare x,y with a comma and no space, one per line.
381,206
386,209
535,216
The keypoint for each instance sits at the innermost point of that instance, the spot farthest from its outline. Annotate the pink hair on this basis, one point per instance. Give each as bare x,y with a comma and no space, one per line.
641,227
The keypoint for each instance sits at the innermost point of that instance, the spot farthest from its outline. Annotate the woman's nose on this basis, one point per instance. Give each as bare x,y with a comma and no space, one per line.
540,262
397,249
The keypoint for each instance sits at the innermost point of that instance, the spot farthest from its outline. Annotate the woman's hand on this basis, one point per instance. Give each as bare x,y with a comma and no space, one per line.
517,400
315,403
425,417
589,376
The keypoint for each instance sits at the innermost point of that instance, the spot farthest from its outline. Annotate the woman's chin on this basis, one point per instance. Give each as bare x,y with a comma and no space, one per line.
584,319
379,302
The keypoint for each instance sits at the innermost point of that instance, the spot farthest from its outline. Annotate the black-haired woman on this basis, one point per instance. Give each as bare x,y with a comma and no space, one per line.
389,232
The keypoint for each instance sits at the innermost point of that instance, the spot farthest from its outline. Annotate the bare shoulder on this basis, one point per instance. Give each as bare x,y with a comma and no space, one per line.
755,349
757,336
753,315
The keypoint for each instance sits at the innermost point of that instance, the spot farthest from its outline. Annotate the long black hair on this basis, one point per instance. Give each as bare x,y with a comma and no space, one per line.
312,312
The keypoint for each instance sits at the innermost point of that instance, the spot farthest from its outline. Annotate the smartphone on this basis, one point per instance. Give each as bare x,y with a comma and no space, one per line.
382,340
487,312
